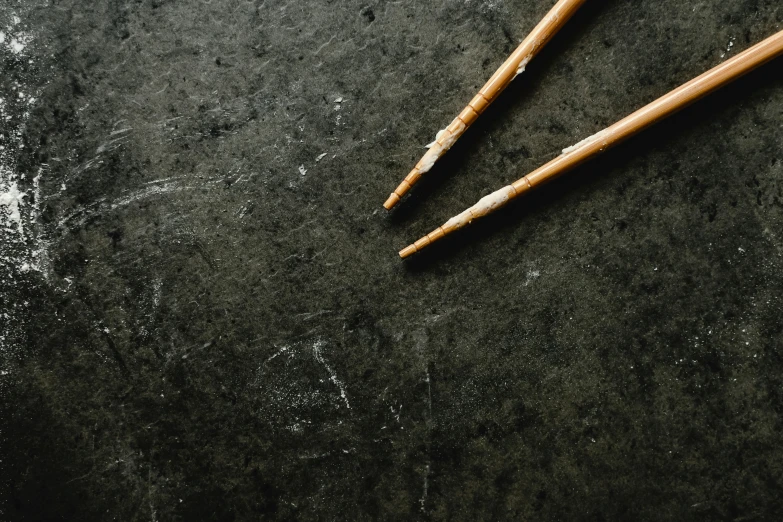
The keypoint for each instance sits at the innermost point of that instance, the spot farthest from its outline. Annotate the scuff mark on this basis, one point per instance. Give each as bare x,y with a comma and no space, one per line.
319,344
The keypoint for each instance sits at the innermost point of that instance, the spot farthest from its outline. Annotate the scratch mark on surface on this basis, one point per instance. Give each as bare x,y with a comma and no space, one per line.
423,499
319,344
282,350
429,395
308,316
145,193
324,45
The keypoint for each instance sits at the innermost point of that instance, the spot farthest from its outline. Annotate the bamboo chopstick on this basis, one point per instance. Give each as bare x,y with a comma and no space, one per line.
631,125
513,66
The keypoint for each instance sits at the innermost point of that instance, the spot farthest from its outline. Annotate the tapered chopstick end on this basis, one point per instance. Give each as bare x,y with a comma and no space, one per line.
393,200
408,251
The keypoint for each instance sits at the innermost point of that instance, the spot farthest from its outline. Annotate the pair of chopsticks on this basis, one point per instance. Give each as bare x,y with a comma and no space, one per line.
571,157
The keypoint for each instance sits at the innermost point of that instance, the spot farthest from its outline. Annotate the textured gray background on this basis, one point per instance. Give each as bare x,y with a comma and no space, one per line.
193,329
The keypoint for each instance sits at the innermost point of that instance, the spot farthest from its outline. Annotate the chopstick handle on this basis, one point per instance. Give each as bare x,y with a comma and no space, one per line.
661,108
529,48
571,157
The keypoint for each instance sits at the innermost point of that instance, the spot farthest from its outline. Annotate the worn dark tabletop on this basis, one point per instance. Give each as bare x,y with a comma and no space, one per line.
203,315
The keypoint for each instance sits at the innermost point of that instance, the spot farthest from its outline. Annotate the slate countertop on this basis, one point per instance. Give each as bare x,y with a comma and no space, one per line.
203,315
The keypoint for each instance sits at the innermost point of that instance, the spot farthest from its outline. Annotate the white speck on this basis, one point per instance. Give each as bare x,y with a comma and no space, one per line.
16,46
2,37
320,157
728,47
12,199
302,170
742,250
531,275
15,20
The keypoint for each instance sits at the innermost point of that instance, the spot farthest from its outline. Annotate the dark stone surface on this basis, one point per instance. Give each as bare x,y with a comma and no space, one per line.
194,330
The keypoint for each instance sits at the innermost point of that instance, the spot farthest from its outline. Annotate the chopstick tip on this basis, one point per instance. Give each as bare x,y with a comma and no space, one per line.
393,200
408,251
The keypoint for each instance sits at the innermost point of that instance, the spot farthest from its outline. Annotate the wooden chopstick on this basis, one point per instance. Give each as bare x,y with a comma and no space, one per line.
664,106
513,66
